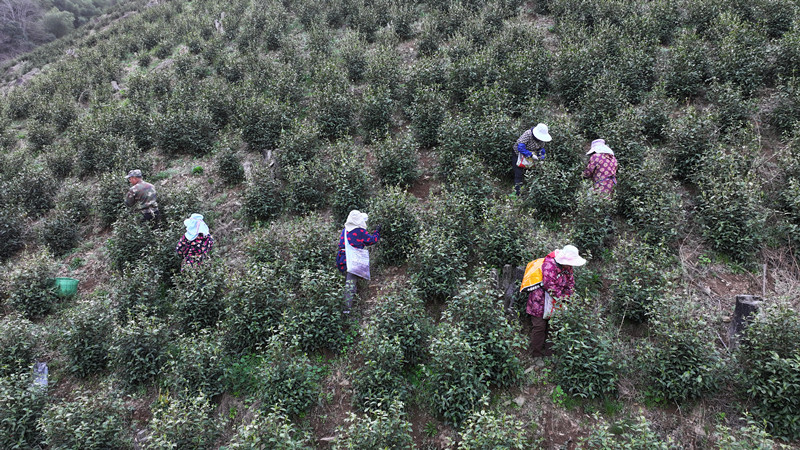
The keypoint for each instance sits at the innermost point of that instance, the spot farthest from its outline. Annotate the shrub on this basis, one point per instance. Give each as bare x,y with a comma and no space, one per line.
87,338
585,365
503,237
519,80
12,231
335,110
379,380
33,189
21,406
108,200
732,109
184,423
305,186
749,437
194,366
687,66
351,182
788,53
550,189
427,114
786,110
455,379
575,66
437,264
73,202
299,144
288,380
400,313
60,233
740,56
395,211
770,356
600,103
90,422
626,434
489,429
188,130
271,430
30,286
682,363
314,319
489,137
229,166
398,161
353,51
262,199
255,303
139,349
641,277
197,296
377,107
40,135
262,121
592,225
692,135
17,345
378,428
138,290
726,205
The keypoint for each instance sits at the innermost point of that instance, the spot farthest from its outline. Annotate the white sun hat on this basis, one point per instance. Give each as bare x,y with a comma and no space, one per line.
569,256
599,146
356,219
540,133
194,226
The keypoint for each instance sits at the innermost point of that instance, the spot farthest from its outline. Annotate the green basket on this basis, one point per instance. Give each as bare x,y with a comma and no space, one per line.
67,287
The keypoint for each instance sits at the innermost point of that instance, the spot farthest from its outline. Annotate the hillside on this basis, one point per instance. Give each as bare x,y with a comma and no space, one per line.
275,119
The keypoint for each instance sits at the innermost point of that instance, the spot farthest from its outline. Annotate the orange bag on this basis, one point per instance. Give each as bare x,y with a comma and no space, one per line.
533,276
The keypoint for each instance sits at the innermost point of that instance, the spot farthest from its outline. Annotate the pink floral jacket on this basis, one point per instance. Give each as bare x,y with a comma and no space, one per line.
557,279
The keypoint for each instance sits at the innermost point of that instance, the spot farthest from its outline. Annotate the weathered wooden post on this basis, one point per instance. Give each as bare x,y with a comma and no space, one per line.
509,284
744,312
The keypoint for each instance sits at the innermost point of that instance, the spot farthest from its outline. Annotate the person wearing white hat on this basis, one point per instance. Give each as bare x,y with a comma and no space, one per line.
355,231
602,167
558,283
528,149
196,243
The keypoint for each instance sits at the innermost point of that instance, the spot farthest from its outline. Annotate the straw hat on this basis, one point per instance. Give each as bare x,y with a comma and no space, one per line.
540,133
569,256
356,219
194,226
599,146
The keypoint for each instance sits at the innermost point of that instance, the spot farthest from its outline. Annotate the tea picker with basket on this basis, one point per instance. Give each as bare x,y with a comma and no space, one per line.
549,281
352,258
528,151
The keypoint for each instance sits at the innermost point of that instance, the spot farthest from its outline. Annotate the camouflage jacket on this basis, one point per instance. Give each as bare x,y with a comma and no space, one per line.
142,195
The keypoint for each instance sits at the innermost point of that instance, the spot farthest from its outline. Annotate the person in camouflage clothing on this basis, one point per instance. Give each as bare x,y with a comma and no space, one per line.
142,196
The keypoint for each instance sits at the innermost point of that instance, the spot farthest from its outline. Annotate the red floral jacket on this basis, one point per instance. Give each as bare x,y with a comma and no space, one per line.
558,280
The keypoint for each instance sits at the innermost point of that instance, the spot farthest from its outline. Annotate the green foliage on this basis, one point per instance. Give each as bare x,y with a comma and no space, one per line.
682,362
90,422
398,161
87,339
195,366
485,430
502,240
786,110
40,135
401,313
626,434
427,114
306,184
600,103
456,381
741,53
395,210
550,189
30,287
436,265
379,380
255,302
299,144
17,345
134,243
350,180
353,51
692,135
12,230
747,438
21,405
108,200
575,66
60,233
271,430
377,428
314,319
732,109
184,131
139,350
262,122
377,107
262,199
32,188
687,67
73,202
229,166
184,423
197,296
770,356
641,275
335,110
288,380
592,224
585,363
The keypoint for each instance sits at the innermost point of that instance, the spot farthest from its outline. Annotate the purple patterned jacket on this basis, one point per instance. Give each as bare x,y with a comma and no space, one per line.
558,280
602,169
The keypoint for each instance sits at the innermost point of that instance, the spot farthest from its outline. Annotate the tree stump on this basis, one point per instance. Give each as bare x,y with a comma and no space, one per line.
509,285
744,312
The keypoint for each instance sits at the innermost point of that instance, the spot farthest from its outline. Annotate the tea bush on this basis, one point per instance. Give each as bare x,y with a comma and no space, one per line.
195,366
471,183
626,434
749,437
626,136
471,72
353,50
377,107
108,199
139,350
427,114
741,55
396,212
682,362
726,204
550,189
600,103
197,296
455,378
17,345
585,363
387,427
641,276
262,195
592,225
770,355
314,319
184,131
732,109
255,302
380,379
21,406
262,121
33,189
350,180
29,286
787,62
574,67
299,144
481,320
87,339
398,161
184,423
306,186
135,291
437,264
59,232
687,66
90,422
72,202
288,380
270,430
785,113
400,313
12,231
503,236
490,429
40,135
229,166
692,135
487,137
335,110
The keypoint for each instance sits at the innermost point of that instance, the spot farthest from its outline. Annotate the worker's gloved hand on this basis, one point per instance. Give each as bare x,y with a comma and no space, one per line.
524,150
541,154
378,229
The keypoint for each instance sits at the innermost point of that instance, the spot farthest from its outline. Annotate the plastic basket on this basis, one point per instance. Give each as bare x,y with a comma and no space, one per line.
67,287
